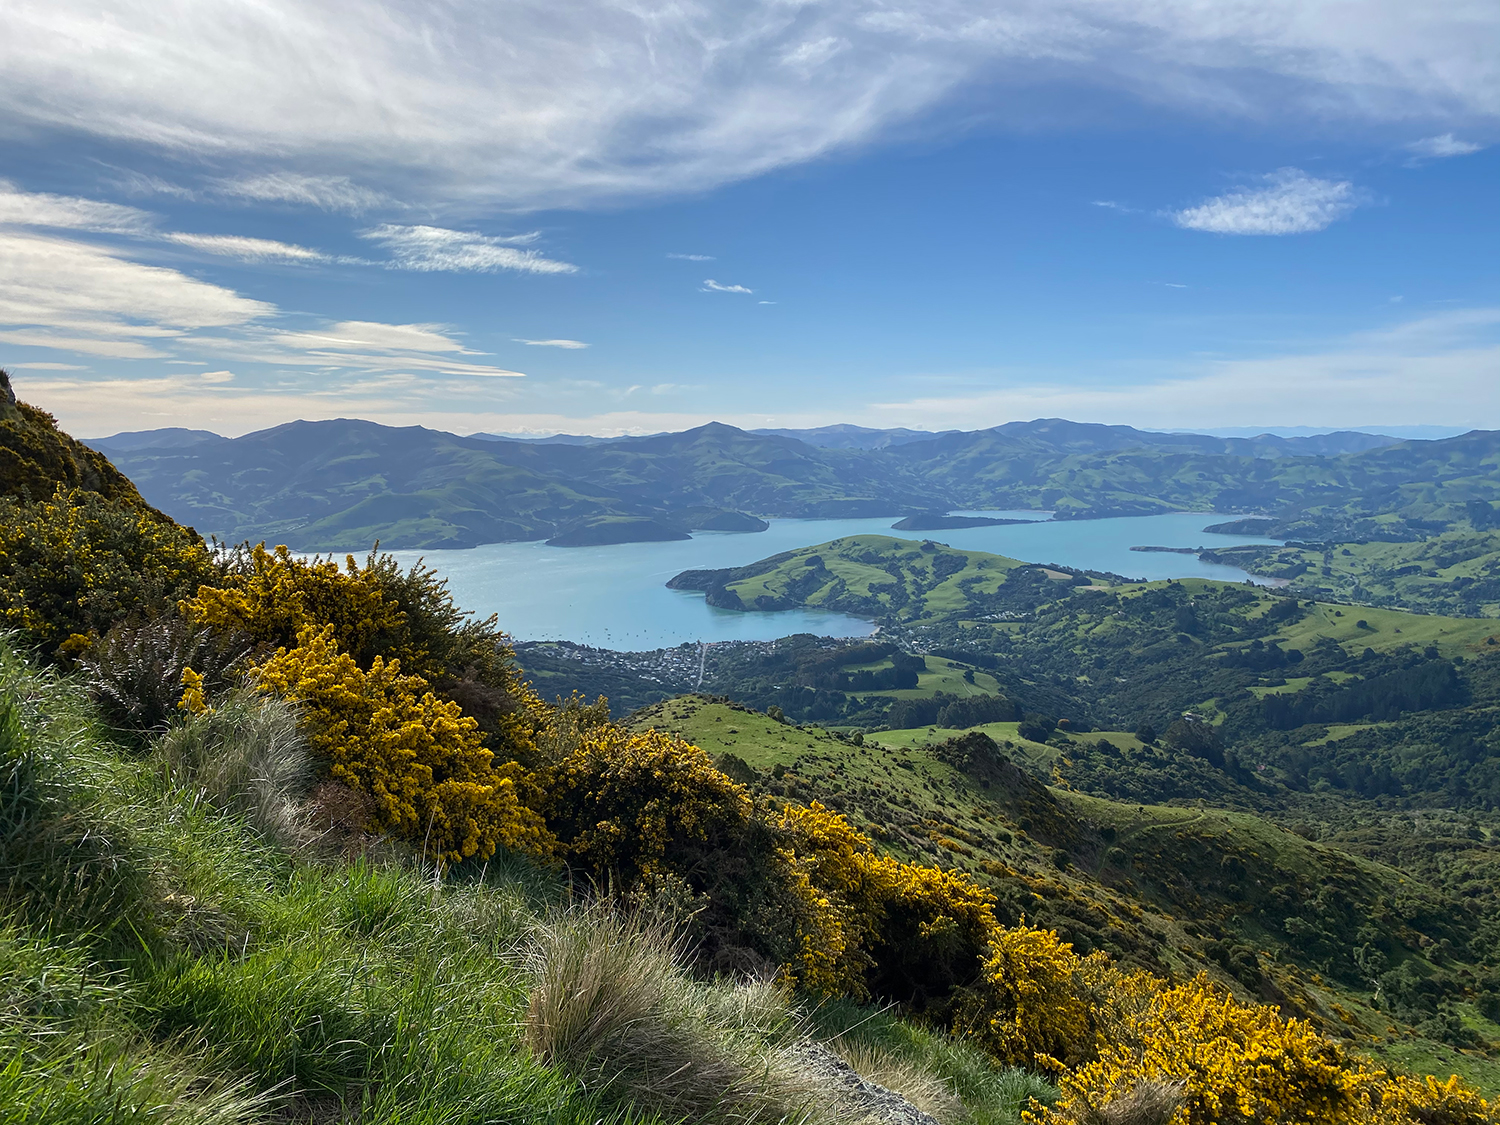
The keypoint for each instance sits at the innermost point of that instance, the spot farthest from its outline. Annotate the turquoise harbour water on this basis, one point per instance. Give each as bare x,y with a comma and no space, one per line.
616,596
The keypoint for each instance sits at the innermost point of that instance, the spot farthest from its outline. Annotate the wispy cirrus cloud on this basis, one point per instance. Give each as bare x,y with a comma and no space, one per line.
1287,201
572,345
66,293
432,249
693,257
68,212
65,212
1441,146
712,286
247,249
478,106
328,193
62,293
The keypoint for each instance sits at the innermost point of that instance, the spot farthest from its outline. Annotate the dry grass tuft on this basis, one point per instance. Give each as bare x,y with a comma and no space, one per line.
904,1075
247,756
1150,1102
611,1005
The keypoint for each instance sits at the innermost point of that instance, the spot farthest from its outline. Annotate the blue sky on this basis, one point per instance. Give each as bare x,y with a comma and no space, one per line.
609,217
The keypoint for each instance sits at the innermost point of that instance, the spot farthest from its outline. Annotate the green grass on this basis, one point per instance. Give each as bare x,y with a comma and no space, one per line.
874,575
1388,629
178,948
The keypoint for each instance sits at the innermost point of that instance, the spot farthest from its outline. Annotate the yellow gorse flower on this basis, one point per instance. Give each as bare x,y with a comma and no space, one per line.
419,757
193,701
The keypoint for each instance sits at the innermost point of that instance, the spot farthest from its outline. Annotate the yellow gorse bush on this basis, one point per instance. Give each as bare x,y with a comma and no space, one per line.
276,595
1100,1031
419,757
1038,1004
74,564
880,924
193,701
1398,1099
623,800
1235,1063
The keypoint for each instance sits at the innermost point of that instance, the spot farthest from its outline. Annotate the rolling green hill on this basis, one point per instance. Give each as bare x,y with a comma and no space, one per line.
1271,913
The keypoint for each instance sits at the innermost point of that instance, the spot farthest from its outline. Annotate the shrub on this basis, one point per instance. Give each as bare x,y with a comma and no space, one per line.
418,757
1234,1062
898,930
631,807
379,611
73,565
1037,1004
271,596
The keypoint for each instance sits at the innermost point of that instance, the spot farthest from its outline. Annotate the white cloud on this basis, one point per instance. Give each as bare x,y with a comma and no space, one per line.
712,286
84,345
435,248
62,294
1445,144
365,335
694,257
1288,201
247,249
66,294
330,193
572,344
38,209
477,104
46,367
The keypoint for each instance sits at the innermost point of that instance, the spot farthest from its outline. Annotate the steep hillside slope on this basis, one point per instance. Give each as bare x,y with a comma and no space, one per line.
36,457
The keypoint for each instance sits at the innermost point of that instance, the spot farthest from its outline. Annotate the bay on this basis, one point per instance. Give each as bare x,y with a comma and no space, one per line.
616,597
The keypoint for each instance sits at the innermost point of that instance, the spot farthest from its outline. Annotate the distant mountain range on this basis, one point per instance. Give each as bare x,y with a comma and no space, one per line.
343,484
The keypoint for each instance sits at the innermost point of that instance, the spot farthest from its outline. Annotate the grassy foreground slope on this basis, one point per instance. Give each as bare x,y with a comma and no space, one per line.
180,943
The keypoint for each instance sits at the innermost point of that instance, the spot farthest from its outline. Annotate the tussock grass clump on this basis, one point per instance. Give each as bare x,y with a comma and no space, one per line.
920,1062
611,1004
247,756
1152,1102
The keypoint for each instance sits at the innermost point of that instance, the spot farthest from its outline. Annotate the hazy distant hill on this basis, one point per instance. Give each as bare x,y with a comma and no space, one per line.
844,436
342,484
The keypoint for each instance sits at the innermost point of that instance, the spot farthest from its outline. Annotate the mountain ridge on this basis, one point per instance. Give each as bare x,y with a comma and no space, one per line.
343,483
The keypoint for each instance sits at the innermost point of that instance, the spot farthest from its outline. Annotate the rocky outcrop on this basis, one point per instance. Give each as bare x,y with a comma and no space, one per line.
858,1097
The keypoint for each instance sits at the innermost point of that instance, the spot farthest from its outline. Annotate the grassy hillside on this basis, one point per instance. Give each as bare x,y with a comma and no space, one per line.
1455,572
36,458
1268,912
183,944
